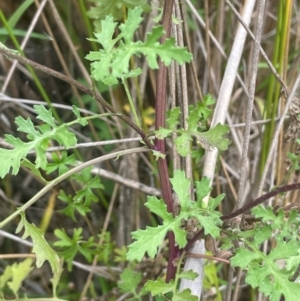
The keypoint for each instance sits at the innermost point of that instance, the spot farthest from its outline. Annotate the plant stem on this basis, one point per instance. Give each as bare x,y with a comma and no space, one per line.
243,172
260,200
160,115
133,110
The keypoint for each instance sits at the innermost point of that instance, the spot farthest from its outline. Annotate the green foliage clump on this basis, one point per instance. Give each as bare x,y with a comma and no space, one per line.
40,137
271,273
111,62
198,115
148,240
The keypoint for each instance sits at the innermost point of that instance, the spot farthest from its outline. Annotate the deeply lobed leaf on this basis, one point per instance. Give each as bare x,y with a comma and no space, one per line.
40,246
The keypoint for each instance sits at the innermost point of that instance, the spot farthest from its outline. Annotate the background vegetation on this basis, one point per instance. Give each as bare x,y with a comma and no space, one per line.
88,218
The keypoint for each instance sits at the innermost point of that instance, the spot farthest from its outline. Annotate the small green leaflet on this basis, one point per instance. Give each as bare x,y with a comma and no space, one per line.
209,140
74,245
173,118
183,143
160,287
213,138
202,190
14,275
86,195
243,257
60,162
112,62
40,246
129,283
181,186
158,155
40,136
162,133
56,278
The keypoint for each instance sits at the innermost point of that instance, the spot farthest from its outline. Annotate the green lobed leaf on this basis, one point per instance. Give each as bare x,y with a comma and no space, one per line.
64,136
133,73
293,261
214,202
162,133
181,185
273,283
209,220
158,155
288,227
55,280
159,286
5,276
262,233
166,51
40,246
72,206
11,158
289,289
26,163
183,143
214,138
45,115
158,207
73,245
26,126
243,257
86,196
202,190
19,272
284,250
147,241
129,280
173,119
104,37
265,213
150,239
60,162
193,120
184,295
203,107
128,28
258,275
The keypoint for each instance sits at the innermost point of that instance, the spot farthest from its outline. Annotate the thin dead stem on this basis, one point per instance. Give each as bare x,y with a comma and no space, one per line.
244,162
